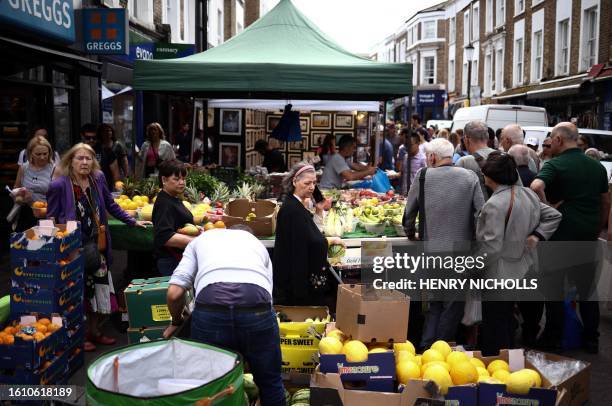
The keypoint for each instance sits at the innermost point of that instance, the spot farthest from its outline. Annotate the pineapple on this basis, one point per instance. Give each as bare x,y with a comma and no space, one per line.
148,187
245,191
130,187
191,194
221,194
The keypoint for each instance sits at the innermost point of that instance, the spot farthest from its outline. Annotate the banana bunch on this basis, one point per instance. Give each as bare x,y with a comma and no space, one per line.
372,215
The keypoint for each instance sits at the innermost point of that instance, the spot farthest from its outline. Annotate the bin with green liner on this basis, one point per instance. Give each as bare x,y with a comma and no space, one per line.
167,372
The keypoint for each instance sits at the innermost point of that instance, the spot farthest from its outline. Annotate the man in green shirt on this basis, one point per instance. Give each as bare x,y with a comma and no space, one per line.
577,186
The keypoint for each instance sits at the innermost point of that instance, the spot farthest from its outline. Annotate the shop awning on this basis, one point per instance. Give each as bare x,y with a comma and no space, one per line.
562,88
283,55
298,105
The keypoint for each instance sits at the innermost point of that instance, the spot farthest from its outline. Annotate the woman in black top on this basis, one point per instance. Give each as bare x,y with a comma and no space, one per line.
300,251
169,214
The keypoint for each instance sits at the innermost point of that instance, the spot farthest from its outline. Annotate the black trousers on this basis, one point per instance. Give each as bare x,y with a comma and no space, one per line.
532,314
497,327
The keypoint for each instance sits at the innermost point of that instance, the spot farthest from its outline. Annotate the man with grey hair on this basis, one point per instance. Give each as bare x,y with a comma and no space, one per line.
447,200
577,186
476,138
520,153
513,134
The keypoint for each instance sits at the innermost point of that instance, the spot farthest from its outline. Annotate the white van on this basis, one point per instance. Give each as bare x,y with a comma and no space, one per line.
498,116
602,140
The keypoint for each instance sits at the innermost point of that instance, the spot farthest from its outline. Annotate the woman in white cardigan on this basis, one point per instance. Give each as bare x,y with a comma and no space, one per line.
153,151
509,226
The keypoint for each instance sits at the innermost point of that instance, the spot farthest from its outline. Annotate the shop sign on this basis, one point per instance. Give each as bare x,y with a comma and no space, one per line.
105,31
430,97
53,18
171,51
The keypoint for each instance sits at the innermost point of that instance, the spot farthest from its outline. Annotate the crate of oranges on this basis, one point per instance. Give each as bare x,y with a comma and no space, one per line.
30,341
44,244
39,209
48,275
51,372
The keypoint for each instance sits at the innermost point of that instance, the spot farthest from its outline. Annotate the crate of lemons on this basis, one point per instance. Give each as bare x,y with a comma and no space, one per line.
439,364
132,206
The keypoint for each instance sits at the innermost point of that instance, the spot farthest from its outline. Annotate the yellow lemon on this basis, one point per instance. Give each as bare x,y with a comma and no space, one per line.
482,372
124,197
407,370
407,346
457,356
498,364
355,351
377,350
330,345
463,372
419,360
404,355
442,347
432,355
501,375
535,376
487,379
440,376
477,363
432,363
519,382
338,334
144,199
132,206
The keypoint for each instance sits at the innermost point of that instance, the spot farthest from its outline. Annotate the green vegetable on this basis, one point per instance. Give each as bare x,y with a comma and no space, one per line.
335,251
250,388
302,396
203,182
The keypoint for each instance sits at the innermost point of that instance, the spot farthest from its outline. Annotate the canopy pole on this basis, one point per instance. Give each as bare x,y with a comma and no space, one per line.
205,150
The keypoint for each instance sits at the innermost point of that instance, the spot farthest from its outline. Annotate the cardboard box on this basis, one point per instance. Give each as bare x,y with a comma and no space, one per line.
369,315
140,335
298,330
27,299
48,275
375,374
301,360
32,354
44,248
328,390
50,375
264,225
146,304
573,391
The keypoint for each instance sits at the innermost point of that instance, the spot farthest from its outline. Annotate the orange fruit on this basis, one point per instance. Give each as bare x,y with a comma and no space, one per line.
208,226
38,205
9,330
41,328
47,334
52,328
10,339
44,321
219,224
26,337
39,336
59,234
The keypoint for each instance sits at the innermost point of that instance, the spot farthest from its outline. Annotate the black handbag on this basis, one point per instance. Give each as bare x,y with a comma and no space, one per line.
91,257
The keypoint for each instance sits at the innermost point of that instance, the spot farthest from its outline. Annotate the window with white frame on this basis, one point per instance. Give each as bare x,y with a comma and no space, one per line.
403,50
489,15
537,46
519,7
563,47
466,28
474,80
500,12
451,75
415,71
429,30
429,70
239,16
499,70
476,24
464,77
535,2
220,25
164,9
488,75
589,38
452,30
518,61
141,10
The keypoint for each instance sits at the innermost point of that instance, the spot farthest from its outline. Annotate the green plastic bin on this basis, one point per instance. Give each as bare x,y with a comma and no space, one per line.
155,373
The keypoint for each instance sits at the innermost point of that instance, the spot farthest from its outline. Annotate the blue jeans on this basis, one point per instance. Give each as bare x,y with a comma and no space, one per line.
254,335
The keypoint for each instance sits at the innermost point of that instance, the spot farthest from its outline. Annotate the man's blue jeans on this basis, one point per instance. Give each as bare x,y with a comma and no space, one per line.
253,334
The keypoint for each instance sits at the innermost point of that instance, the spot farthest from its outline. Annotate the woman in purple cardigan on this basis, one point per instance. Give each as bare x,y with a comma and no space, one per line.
82,194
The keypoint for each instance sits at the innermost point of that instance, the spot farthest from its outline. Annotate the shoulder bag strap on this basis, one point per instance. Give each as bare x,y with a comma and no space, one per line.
422,204
509,212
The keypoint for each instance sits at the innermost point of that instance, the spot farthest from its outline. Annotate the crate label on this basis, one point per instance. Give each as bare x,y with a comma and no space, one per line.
160,313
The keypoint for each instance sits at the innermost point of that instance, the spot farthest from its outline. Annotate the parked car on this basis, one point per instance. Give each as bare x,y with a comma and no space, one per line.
498,116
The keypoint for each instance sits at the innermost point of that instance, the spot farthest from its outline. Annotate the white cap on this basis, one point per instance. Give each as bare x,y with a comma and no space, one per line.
531,141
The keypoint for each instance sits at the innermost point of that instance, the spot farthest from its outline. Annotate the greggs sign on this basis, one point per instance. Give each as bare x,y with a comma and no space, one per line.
105,31
54,18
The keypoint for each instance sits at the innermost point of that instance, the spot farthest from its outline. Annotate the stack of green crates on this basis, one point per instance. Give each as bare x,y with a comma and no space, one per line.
147,309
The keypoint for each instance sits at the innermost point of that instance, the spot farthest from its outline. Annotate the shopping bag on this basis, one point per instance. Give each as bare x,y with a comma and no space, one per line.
380,182
472,312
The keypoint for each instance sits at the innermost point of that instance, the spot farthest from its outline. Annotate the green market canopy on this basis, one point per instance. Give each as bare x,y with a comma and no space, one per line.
283,55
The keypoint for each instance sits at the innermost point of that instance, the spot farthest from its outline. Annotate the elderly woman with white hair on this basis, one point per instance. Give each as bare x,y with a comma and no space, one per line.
520,153
301,275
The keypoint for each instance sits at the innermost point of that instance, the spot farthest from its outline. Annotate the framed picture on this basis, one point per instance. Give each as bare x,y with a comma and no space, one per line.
250,139
305,125
340,134
321,121
272,122
294,159
318,138
299,146
231,122
309,156
229,154
362,136
362,119
343,121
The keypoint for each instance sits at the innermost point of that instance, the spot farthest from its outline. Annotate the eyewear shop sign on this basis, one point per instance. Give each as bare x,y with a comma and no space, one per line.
105,31
53,18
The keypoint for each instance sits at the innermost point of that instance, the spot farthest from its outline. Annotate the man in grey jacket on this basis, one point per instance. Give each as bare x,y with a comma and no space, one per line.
475,139
448,207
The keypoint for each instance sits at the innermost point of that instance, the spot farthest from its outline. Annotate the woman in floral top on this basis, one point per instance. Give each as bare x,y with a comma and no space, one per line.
82,194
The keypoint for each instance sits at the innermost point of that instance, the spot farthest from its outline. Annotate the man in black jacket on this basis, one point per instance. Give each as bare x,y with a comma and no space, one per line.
273,159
